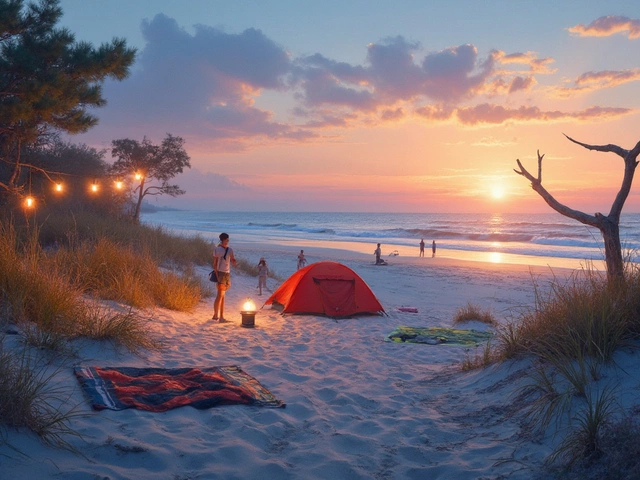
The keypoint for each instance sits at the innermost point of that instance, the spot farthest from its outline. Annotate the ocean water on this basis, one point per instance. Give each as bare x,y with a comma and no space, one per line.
532,235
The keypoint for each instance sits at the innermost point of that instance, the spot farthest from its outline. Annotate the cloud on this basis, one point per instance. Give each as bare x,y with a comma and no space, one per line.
493,142
593,81
392,114
435,112
607,26
204,83
391,74
488,114
529,59
209,86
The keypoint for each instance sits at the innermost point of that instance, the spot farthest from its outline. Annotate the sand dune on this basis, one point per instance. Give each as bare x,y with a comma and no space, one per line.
357,406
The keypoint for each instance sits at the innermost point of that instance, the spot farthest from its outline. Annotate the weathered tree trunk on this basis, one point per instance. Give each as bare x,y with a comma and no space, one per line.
136,214
612,249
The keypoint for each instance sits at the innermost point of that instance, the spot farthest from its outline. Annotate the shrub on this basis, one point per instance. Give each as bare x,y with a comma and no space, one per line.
471,312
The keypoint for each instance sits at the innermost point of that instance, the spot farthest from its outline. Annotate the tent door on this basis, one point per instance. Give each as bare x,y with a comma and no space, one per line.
338,295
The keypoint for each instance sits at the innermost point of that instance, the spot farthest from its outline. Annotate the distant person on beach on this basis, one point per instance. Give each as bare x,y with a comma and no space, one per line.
302,261
378,252
223,257
263,271
433,248
422,247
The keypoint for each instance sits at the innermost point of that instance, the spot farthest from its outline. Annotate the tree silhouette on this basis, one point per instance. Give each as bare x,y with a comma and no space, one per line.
47,81
609,225
150,162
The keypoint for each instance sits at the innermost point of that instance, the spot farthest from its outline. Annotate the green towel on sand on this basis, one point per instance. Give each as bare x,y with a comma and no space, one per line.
438,335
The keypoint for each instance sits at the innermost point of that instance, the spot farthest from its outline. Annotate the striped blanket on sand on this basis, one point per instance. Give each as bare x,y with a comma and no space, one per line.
161,389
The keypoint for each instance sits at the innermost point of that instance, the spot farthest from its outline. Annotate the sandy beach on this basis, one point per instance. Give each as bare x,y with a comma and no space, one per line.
357,406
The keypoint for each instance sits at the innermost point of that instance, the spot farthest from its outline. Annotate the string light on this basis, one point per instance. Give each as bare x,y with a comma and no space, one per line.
30,202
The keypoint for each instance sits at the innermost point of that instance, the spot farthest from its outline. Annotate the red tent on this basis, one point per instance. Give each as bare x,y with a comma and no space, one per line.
326,288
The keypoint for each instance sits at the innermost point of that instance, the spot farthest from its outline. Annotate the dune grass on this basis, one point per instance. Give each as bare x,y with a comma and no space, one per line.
29,399
73,228
115,272
471,312
571,333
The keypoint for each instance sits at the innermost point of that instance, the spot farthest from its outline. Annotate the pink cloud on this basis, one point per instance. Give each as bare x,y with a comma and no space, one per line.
488,114
594,81
607,26
529,59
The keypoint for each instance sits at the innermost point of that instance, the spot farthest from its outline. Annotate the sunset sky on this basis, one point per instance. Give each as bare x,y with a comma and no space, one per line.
404,106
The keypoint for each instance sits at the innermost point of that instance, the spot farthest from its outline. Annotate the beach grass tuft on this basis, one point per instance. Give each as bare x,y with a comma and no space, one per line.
471,312
29,399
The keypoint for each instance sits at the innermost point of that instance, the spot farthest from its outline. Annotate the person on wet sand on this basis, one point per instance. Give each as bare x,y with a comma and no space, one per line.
378,252
263,271
433,248
223,257
302,261
422,247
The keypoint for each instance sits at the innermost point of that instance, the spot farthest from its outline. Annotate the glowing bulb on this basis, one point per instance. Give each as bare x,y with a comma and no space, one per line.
94,187
138,176
249,306
58,187
119,185
29,202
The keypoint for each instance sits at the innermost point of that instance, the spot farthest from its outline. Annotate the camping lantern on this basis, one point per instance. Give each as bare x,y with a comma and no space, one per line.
248,313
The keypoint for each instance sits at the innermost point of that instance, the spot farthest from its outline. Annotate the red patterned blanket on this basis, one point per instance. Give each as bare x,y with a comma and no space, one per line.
161,389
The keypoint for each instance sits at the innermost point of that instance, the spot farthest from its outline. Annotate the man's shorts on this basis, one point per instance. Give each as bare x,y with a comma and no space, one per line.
224,280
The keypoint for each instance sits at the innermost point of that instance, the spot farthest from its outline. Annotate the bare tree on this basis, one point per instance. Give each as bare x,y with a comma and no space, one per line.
609,225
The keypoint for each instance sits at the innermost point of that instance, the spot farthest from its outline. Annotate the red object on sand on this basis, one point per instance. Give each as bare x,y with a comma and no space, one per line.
408,309
326,288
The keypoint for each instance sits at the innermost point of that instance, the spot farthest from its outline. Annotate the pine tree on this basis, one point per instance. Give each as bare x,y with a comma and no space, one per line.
47,81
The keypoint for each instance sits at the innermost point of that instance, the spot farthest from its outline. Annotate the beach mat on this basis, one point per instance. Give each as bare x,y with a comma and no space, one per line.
161,389
438,336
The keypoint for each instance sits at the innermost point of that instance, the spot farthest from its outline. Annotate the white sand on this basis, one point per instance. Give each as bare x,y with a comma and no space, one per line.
357,407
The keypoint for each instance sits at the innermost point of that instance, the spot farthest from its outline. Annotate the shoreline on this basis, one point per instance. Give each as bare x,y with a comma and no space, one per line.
317,250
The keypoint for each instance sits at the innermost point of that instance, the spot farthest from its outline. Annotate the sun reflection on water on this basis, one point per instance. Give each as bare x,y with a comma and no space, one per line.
495,257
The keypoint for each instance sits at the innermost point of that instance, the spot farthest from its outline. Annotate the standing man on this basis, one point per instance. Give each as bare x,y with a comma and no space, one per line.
433,248
302,260
422,247
378,252
223,257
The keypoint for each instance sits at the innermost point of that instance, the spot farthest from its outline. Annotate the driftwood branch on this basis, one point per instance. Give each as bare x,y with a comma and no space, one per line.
536,184
602,148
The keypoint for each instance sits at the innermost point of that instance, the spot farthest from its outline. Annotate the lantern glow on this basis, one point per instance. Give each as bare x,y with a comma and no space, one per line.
94,187
138,176
58,187
249,306
248,314
29,202
119,184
